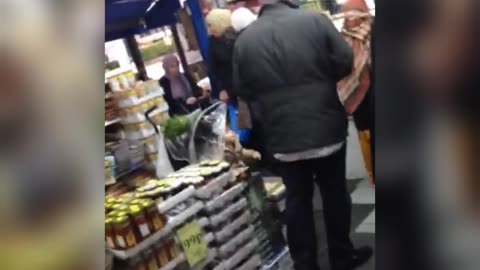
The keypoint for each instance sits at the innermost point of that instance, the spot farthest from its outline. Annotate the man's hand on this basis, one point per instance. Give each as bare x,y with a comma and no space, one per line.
191,100
224,96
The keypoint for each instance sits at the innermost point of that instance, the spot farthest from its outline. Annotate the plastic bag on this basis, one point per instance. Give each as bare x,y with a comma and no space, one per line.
204,139
164,167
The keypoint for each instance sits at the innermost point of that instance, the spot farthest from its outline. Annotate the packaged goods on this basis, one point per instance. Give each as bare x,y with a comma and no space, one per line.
150,260
172,248
109,233
124,233
161,254
140,221
137,263
156,222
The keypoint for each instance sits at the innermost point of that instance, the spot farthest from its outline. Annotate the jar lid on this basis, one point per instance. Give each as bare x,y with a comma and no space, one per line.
152,182
206,172
120,207
136,201
122,213
120,219
135,209
214,162
224,164
112,213
148,186
110,200
126,195
204,163
146,203
217,169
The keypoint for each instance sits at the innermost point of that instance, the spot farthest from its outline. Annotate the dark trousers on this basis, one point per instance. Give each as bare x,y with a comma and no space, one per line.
329,174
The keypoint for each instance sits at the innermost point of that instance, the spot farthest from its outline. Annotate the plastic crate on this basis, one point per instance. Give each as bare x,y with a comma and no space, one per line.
280,261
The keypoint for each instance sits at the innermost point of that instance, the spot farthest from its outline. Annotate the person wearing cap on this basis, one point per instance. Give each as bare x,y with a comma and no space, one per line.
290,61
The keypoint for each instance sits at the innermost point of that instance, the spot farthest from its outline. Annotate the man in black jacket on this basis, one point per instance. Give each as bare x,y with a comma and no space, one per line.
289,61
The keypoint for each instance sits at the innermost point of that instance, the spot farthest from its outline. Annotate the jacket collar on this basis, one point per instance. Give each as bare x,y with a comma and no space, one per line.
272,8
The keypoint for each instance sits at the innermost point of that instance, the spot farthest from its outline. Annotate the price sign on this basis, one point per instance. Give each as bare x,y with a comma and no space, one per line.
194,246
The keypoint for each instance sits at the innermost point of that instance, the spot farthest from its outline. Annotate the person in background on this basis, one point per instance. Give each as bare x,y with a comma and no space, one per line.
289,61
181,93
355,89
331,5
241,18
221,42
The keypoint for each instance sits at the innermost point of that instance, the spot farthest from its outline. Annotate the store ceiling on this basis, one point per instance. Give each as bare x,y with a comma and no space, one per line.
128,17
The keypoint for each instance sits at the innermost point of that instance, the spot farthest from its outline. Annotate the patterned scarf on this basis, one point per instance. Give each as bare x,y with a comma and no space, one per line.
356,32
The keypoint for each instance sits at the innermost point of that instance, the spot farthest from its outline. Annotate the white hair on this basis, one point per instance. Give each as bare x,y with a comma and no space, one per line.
241,18
219,19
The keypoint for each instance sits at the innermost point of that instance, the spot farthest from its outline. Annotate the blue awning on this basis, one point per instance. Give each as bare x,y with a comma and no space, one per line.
129,17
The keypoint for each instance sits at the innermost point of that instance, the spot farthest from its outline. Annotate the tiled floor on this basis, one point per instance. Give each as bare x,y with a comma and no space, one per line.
368,225
363,224
363,194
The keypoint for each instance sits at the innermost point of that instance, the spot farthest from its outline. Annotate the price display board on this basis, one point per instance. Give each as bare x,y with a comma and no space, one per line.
193,243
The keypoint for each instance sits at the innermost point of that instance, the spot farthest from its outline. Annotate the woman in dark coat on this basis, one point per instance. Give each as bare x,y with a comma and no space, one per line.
181,93
221,43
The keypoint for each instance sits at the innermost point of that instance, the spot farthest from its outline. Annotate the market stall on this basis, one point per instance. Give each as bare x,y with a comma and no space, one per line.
210,214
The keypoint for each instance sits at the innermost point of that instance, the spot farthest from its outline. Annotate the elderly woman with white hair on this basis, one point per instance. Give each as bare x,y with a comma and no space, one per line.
222,41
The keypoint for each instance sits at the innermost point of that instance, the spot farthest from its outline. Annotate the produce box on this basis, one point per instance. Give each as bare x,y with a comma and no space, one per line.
264,213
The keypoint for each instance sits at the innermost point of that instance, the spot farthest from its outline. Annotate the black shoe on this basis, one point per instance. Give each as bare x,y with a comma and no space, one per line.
361,256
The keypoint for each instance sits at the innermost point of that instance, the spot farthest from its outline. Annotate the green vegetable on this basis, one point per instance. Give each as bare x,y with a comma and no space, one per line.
176,126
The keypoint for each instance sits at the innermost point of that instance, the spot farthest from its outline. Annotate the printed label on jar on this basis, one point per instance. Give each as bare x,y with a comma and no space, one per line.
157,223
152,265
163,259
144,230
120,241
110,243
131,239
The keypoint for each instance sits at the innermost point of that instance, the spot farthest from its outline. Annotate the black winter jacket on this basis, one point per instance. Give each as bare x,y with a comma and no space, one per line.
178,106
220,57
290,61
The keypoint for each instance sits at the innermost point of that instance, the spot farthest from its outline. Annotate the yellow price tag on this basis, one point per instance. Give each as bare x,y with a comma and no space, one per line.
194,246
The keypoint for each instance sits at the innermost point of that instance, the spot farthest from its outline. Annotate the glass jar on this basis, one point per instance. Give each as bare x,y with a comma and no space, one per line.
108,206
131,78
137,263
109,233
150,260
161,254
172,248
140,220
115,213
155,220
124,236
